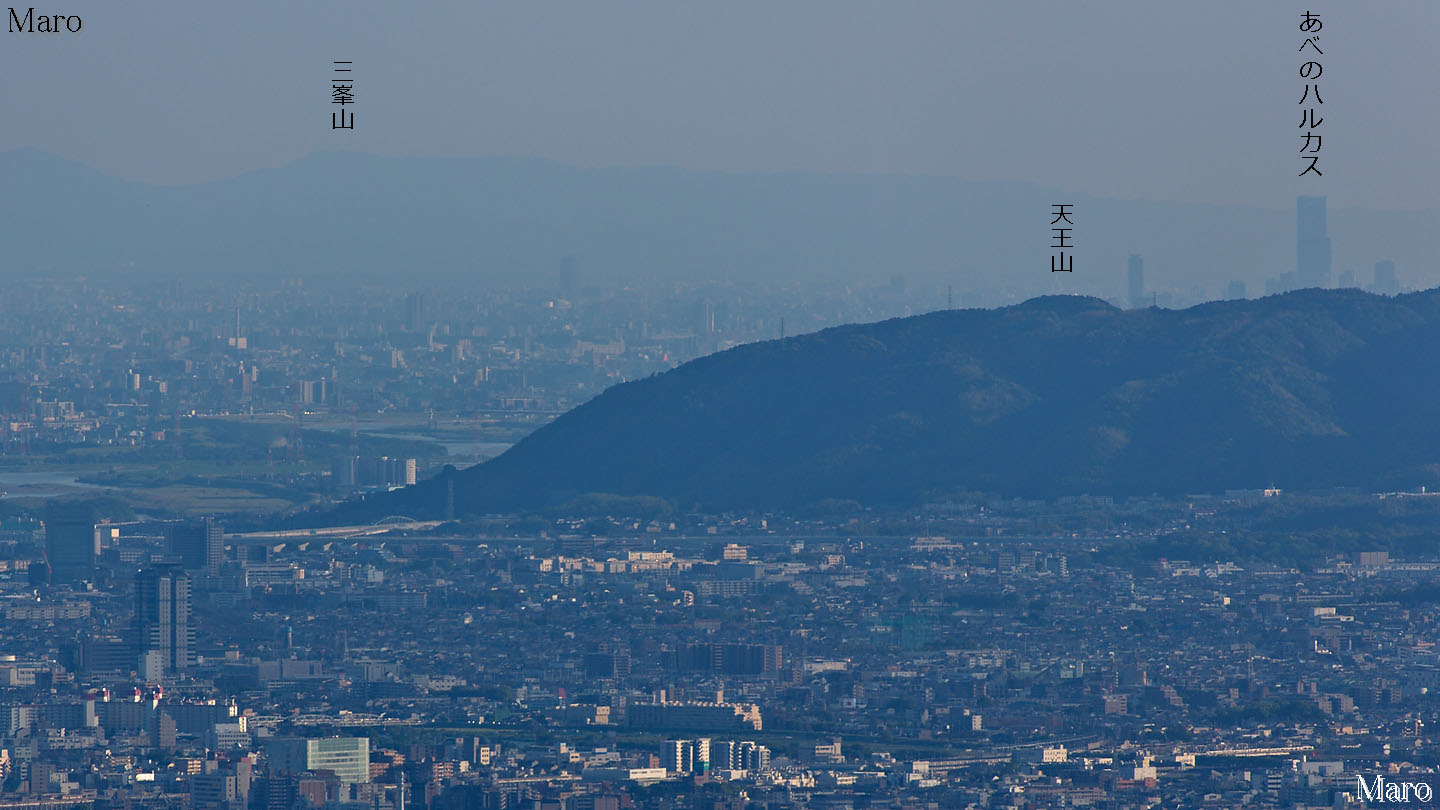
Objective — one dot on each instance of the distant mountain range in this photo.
(1056, 396)
(414, 221)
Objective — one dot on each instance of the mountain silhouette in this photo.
(1055, 396)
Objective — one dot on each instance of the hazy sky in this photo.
(1129, 98)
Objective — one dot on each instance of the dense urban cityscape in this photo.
(719, 406)
(172, 639)
(1012, 655)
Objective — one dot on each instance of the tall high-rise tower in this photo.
(1137, 281)
(1385, 281)
(569, 276)
(72, 542)
(414, 312)
(200, 544)
(163, 636)
(1312, 242)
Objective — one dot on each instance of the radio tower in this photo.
(354, 432)
(175, 439)
(297, 442)
(479, 454)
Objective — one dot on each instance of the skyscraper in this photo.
(414, 312)
(569, 276)
(1385, 281)
(1137, 281)
(72, 542)
(163, 636)
(1312, 242)
(200, 544)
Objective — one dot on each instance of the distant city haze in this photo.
(1120, 99)
(411, 223)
